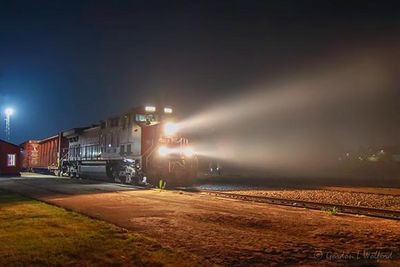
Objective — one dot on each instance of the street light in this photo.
(8, 112)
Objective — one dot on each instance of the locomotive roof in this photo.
(135, 110)
(74, 131)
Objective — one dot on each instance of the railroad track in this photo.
(380, 213)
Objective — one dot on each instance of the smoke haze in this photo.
(304, 123)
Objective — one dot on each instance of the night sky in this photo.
(66, 64)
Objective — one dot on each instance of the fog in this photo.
(303, 122)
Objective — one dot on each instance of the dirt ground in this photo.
(226, 232)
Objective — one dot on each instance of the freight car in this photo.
(138, 146)
(43, 155)
(30, 155)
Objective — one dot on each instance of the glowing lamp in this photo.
(150, 109)
(8, 111)
(168, 110)
(163, 151)
(188, 152)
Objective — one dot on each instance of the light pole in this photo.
(8, 112)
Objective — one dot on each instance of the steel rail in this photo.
(372, 212)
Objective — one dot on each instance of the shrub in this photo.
(331, 211)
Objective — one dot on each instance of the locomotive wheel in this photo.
(127, 179)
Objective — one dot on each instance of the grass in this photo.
(331, 211)
(34, 233)
(161, 185)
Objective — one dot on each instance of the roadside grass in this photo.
(331, 211)
(34, 233)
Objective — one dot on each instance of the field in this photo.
(35, 233)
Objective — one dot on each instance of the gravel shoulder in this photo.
(371, 199)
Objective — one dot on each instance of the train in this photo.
(140, 146)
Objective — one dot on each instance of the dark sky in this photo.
(65, 64)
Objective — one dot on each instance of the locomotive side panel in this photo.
(87, 145)
(120, 139)
(129, 137)
(102, 151)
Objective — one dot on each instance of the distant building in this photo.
(373, 154)
(9, 159)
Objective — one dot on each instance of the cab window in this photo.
(146, 117)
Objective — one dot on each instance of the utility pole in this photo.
(8, 113)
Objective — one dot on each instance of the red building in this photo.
(9, 159)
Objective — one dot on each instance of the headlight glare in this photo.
(188, 152)
(170, 128)
(163, 151)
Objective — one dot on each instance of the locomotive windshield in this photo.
(146, 117)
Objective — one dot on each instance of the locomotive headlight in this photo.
(150, 108)
(168, 110)
(170, 128)
(188, 152)
(163, 151)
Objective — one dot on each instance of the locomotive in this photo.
(139, 146)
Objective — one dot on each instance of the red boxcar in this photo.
(30, 154)
(9, 159)
(43, 154)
